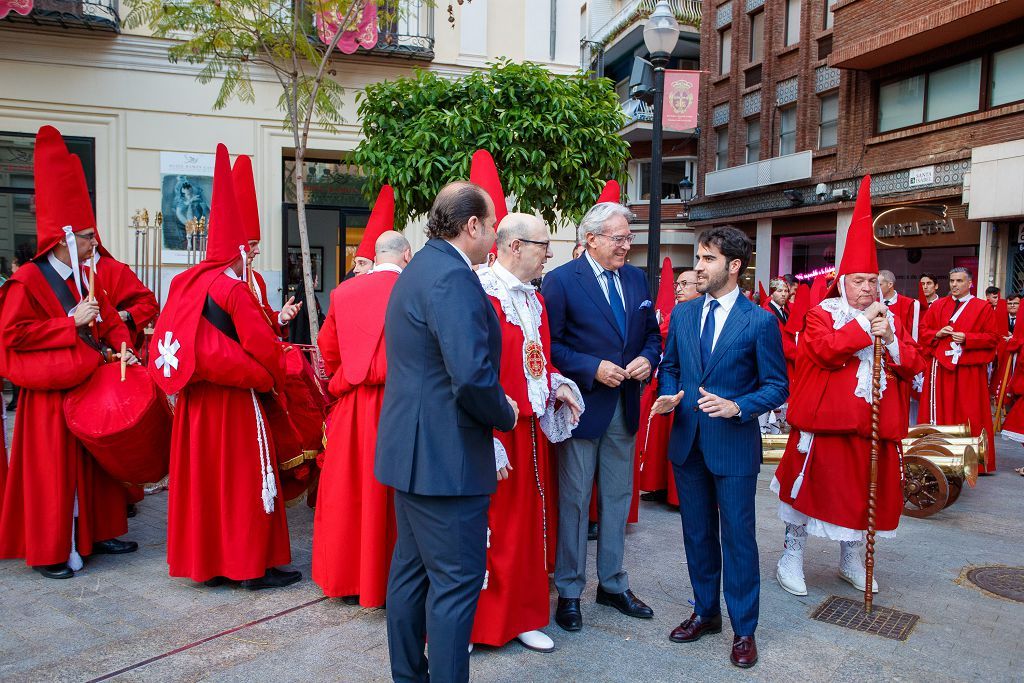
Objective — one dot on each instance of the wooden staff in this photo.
(876, 405)
(1002, 392)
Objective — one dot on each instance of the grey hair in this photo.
(513, 227)
(887, 275)
(961, 269)
(391, 243)
(776, 283)
(594, 220)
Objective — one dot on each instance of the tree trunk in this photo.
(307, 266)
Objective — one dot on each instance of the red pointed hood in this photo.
(762, 295)
(382, 219)
(62, 196)
(666, 290)
(860, 254)
(173, 345)
(484, 173)
(83, 190)
(611, 192)
(818, 288)
(245, 196)
(798, 309)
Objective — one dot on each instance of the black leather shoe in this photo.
(274, 578)
(693, 628)
(592, 531)
(350, 599)
(216, 581)
(114, 547)
(55, 571)
(659, 496)
(131, 510)
(626, 602)
(568, 615)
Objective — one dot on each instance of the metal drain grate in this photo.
(1006, 582)
(882, 621)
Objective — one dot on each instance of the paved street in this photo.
(124, 613)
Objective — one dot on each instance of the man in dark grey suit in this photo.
(442, 402)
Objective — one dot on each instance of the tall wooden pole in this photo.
(876, 404)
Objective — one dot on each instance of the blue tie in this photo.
(615, 301)
(707, 335)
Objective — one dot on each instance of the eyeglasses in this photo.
(683, 283)
(619, 240)
(88, 237)
(539, 244)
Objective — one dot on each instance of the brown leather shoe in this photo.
(693, 628)
(744, 651)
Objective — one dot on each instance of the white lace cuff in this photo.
(500, 456)
(557, 425)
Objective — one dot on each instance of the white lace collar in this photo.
(842, 313)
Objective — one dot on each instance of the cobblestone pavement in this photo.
(123, 614)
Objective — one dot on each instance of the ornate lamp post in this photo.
(661, 33)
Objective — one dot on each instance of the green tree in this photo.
(230, 37)
(554, 138)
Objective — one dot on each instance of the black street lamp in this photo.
(661, 33)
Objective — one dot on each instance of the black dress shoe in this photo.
(592, 531)
(626, 602)
(568, 615)
(114, 547)
(693, 628)
(274, 578)
(131, 510)
(350, 599)
(655, 496)
(55, 571)
(216, 581)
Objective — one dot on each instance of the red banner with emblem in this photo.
(682, 97)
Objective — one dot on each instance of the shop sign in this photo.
(935, 226)
(925, 175)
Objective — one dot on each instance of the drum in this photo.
(295, 421)
(125, 426)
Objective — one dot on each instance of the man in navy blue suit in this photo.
(604, 337)
(442, 402)
(723, 367)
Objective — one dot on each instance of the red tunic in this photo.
(216, 523)
(354, 524)
(522, 518)
(835, 484)
(958, 393)
(126, 292)
(655, 469)
(43, 353)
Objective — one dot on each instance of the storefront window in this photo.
(17, 191)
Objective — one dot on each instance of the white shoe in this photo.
(471, 648)
(537, 641)
(790, 578)
(851, 567)
(790, 570)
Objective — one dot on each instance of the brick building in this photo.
(804, 97)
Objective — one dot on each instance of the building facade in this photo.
(144, 126)
(805, 97)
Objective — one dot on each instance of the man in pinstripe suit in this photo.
(723, 367)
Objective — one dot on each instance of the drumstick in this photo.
(124, 359)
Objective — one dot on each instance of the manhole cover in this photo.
(1006, 582)
(882, 621)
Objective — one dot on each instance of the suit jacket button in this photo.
(695, 409)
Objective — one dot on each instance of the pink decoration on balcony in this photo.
(22, 7)
(362, 34)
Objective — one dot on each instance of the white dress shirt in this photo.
(602, 281)
(65, 271)
(462, 254)
(381, 267)
(725, 304)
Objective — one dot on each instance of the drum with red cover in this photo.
(126, 426)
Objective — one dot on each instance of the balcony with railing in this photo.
(405, 29)
(623, 32)
(688, 12)
(92, 15)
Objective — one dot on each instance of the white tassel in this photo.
(804, 446)
(268, 490)
(75, 562)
